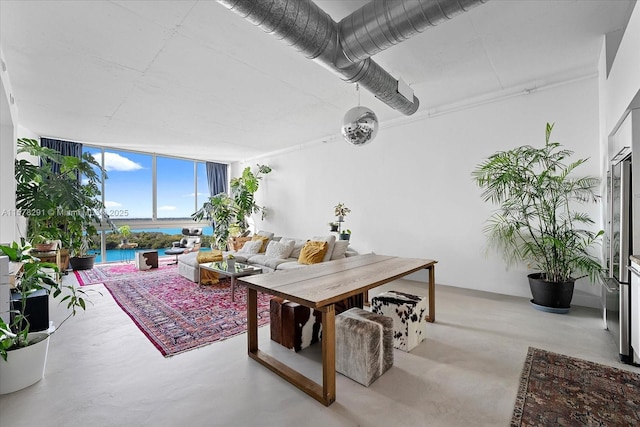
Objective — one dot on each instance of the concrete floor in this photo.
(102, 371)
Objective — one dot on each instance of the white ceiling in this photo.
(190, 78)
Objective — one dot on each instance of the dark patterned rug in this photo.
(557, 390)
(178, 315)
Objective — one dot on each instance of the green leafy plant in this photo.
(230, 213)
(60, 202)
(341, 210)
(535, 222)
(221, 210)
(243, 190)
(124, 231)
(35, 275)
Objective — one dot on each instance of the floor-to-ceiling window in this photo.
(150, 193)
(176, 189)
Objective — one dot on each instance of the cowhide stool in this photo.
(408, 314)
(364, 345)
(146, 259)
(292, 324)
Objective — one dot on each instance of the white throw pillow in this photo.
(279, 249)
(331, 240)
(340, 249)
(251, 247)
(298, 244)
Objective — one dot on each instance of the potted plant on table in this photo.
(537, 222)
(23, 353)
(341, 211)
(345, 234)
(125, 232)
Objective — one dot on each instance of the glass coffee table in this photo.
(237, 270)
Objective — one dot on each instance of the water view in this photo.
(120, 255)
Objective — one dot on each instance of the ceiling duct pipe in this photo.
(378, 25)
(310, 30)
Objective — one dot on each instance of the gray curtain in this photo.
(66, 148)
(217, 178)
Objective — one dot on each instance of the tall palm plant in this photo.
(535, 222)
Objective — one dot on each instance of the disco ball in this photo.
(359, 126)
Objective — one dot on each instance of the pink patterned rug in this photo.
(176, 314)
(103, 272)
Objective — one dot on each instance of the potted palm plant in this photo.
(60, 197)
(536, 221)
(23, 353)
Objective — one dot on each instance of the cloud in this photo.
(111, 204)
(116, 162)
(167, 208)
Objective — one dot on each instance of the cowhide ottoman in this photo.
(146, 260)
(408, 314)
(292, 324)
(364, 345)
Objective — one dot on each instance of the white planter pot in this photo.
(24, 366)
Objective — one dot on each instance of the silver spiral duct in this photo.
(310, 30)
(379, 25)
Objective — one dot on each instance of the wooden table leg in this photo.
(252, 320)
(233, 289)
(432, 294)
(329, 354)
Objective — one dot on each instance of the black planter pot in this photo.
(36, 310)
(345, 236)
(551, 294)
(82, 262)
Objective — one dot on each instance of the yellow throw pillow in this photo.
(313, 252)
(209, 256)
(263, 239)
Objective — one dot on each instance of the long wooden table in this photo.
(319, 287)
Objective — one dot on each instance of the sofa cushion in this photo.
(252, 247)
(279, 249)
(331, 241)
(289, 264)
(340, 249)
(266, 261)
(298, 244)
(313, 252)
(263, 239)
(240, 257)
(189, 259)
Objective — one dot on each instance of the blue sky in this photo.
(128, 192)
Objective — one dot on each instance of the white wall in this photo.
(411, 191)
(623, 83)
(8, 132)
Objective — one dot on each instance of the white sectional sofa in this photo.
(279, 253)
